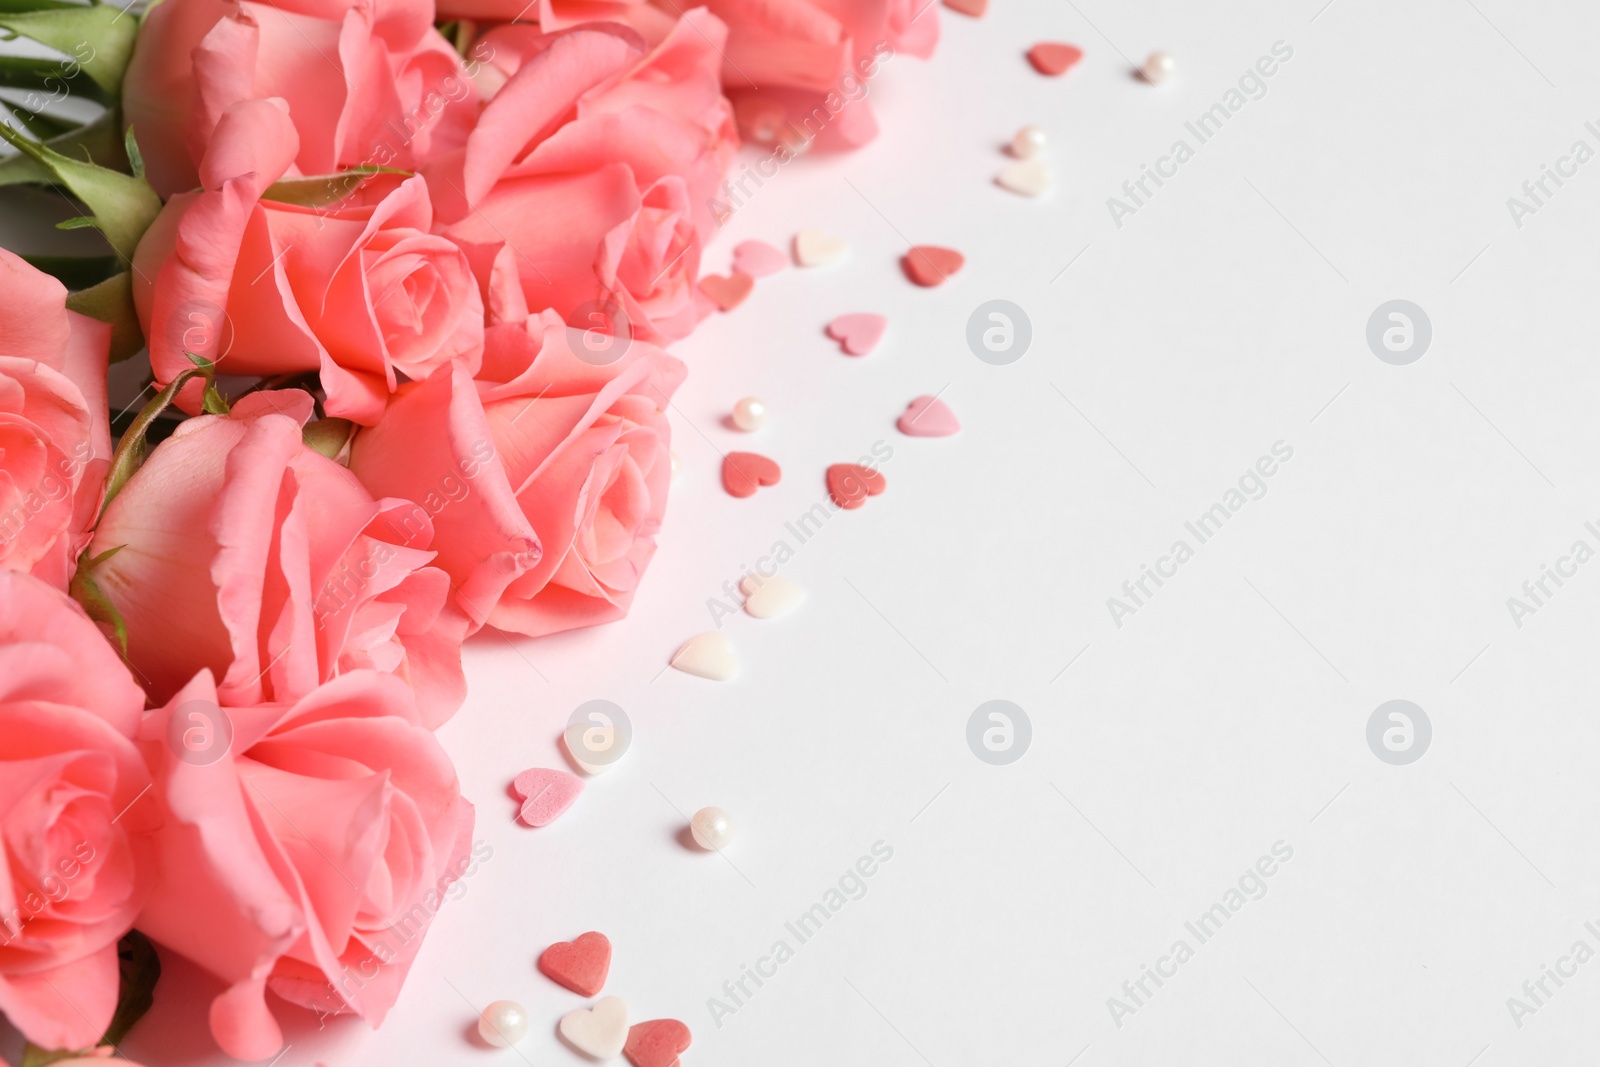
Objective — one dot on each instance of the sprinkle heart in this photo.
(1052, 58)
(813, 248)
(1031, 177)
(758, 259)
(975, 8)
(727, 293)
(859, 333)
(928, 416)
(930, 265)
(744, 472)
(546, 794)
(580, 965)
(656, 1043)
(770, 598)
(600, 1031)
(850, 484)
(708, 655)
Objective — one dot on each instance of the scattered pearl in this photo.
(712, 829)
(750, 414)
(1157, 67)
(503, 1023)
(1028, 142)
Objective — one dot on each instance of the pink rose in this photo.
(305, 846)
(55, 441)
(360, 291)
(595, 163)
(580, 467)
(72, 839)
(368, 82)
(245, 552)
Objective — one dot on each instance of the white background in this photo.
(1228, 314)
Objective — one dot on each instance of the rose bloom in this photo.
(595, 162)
(359, 291)
(243, 551)
(304, 846)
(72, 839)
(794, 69)
(368, 83)
(580, 468)
(55, 441)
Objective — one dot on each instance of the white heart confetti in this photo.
(600, 1031)
(707, 655)
(1030, 177)
(813, 248)
(770, 598)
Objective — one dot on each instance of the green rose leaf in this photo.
(123, 206)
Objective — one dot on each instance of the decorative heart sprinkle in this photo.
(708, 655)
(600, 1031)
(758, 259)
(975, 8)
(580, 965)
(850, 484)
(813, 248)
(578, 738)
(1030, 177)
(769, 598)
(744, 472)
(930, 265)
(656, 1043)
(1052, 58)
(928, 416)
(858, 333)
(727, 292)
(546, 794)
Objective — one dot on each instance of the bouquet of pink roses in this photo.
(402, 278)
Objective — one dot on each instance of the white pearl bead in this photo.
(1028, 142)
(503, 1023)
(749, 414)
(712, 829)
(1158, 66)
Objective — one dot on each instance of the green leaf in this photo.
(323, 189)
(112, 301)
(100, 142)
(124, 206)
(135, 158)
(134, 446)
(331, 437)
(87, 592)
(99, 37)
(48, 80)
(80, 222)
(140, 969)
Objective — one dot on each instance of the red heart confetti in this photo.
(744, 472)
(975, 8)
(656, 1043)
(580, 964)
(930, 265)
(1051, 58)
(546, 794)
(727, 292)
(850, 484)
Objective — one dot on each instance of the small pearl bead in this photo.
(1028, 142)
(712, 829)
(503, 1023)
(1158, 66)
(749, 414)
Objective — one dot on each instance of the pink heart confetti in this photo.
(928, 416)
(546, 794)
(858, 333)
(758, 259)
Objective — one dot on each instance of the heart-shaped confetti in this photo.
(600, 1031)
(850, 484)
(745, 472)
(656, 1043)
(708, 655)
(975, 8)
(580, 965)
(758, 259)
(546, 794)
(1030, 177)
(928, 416)
(770, 598)
(1052, 58)
(727, 292)
(813, 248)
(930, 265)
(858, 333)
